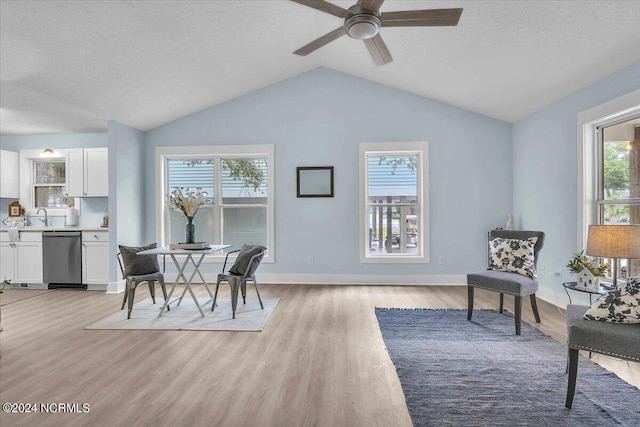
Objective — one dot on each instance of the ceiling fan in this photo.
(363, 20)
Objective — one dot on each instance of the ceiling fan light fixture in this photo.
(362, 26)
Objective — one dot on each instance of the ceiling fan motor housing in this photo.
(363, 24)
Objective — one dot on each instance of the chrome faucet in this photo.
(46, 217)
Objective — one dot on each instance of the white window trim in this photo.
(422, 176)
(189, 152)
(27, 157)
(588, 121)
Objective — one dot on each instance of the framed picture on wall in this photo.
(314, 181)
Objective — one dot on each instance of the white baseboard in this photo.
(346, 279)
(115, 287)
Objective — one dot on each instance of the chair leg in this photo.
(518, 310)
(255, 284)
(244, 291)
(534, 307)
(469, 301)
(573, 372)
(163, 286)
(234, 296)
(215, 295)
(152, 289)
(126, 293)
(132, 293)
(501, 302)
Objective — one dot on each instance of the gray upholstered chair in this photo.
(509, 283)
(242, 271)
(613, 339)
(138, 269)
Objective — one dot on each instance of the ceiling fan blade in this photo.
(326, 7)
(421, 18)
(378, 50)
(373, 5)
(320, 41)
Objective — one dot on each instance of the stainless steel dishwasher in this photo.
(62, 259)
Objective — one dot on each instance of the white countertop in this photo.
(41, 229)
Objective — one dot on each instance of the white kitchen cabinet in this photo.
(87, 172)
(9, 176)
(95, 257)
(21, 262)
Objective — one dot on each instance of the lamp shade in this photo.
(614, 241)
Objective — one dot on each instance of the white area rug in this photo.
(186, 317)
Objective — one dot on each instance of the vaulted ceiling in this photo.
(69, 66)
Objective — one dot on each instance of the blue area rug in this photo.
(460, 373)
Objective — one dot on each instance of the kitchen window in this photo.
(238, 180)
(394, 202)
(49, 185)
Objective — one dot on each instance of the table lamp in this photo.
(614, 241)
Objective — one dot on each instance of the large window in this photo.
(238, 180)
(394, 202)
(618, 179)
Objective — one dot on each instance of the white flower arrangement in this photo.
(187, 201)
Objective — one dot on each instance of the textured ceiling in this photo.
(69, 66)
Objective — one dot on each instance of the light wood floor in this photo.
(319, 362)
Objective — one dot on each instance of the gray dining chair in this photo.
(137, 269)
(242, 271)
(505, 282)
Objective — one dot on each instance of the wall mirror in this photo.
(314, 181)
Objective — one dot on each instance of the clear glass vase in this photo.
(190, 230)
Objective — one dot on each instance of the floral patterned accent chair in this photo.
(611, 326)
(513, 257)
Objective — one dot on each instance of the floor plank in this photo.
(319, 362)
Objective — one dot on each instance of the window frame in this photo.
(164, 154)
(589, 158)
(601, 198)
(28, 158)
(420, 148)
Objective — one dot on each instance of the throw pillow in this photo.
(633, 285)
(137, 265)
(244, 257)
(616, 307)
(513, 255)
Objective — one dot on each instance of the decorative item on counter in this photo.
(105, 220)
(71, 218)
(15, 209)
(17, 221)
(187, 202)
(588, 273)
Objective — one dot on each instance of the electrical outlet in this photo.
(311, 260)
(442, 260)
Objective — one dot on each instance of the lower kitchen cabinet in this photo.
(95, 257)
(21, 262)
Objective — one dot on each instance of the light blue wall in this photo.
(318, 118)
(126, 189)
(91, 210)
(545, 174)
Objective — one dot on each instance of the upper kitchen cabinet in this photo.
(9, 176)
(87, 172)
